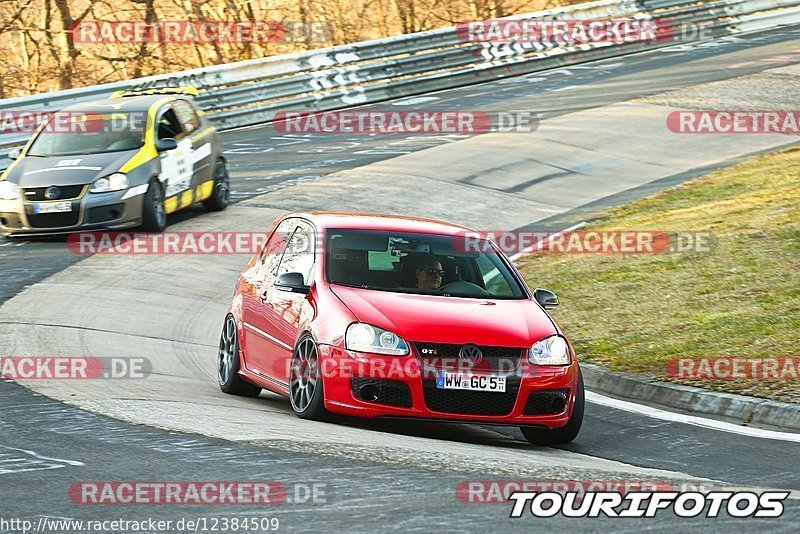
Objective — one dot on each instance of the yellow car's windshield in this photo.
(73, 133)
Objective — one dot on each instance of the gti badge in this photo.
(470, 354)
(52, 193)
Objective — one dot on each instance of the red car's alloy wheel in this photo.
(303, 380)
(228, 363)
(227, 351)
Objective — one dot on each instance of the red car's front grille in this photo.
(470, 402)
(437, 356)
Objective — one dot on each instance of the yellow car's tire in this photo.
(154, 213)
(221, 196)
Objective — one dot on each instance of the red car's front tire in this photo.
(305, 382)
(568, 432)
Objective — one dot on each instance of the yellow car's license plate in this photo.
(52, 207)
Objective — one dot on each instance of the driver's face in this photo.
(430, 277)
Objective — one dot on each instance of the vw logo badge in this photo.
(52, 193)
(470, 354)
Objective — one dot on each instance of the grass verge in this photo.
(636, 312)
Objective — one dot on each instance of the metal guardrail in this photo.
(251, 92)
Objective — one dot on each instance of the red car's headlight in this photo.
(363, 337)
(551, 350)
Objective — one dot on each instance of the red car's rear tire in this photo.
(568, 432)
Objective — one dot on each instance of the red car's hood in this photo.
(499, 323)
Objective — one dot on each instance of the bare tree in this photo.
(38, 51)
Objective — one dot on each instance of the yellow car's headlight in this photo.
(112, 182)
(9, 190)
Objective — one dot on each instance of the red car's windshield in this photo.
(455, 266)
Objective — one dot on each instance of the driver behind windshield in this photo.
(429, 272)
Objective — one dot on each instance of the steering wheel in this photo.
(462, 286)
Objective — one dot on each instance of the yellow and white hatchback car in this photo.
(113, 164)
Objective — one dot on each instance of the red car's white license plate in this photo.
(494, 384)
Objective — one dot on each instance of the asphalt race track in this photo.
(392, 475)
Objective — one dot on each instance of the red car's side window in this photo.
(299, 254)
(273, 250)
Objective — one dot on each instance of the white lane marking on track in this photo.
(40, 457)
(414, 100)
(11, 463)
(694, 420)
(557, 89)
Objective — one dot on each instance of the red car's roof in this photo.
(377, 221)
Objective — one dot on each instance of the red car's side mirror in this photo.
(292, 282)
(547, 299)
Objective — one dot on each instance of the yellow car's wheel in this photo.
(154, 214)
(221, 196)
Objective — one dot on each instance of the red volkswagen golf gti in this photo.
(384, 316)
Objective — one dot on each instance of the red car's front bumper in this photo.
(342, 369)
